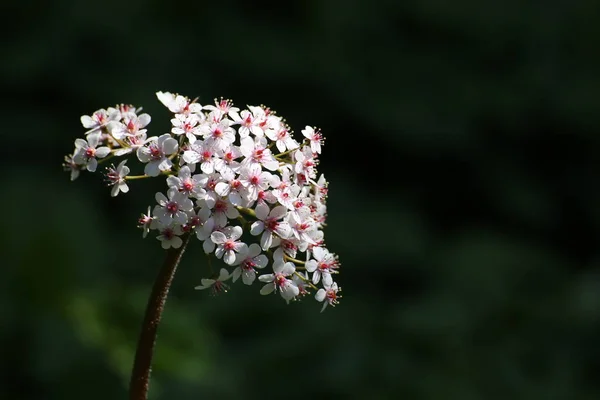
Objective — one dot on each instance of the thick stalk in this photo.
(140, 375)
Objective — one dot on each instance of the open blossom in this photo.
(237, 181)
(116, 178)
(86, 152)
(155, 155)
(215, 285)
(328, 295)
(269, 224)
(173, 208)
(279, 280)
(322, 266)
(248, 263)
(228, 244)
(99, 119)
(169, 237)
(132, 125)
(314, 137)
(187, 183)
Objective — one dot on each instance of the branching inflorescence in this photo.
(236, 179)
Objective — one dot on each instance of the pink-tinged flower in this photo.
(324, 264)
(146, 222)
(222, 211)
(278, 280)
(172, 209)
(315, 138)
(253, 178)
(169, 237)
(232, 189)
(187, 125)
(269, 223)
(187, 184)
(132, 143)
(300, 279)
(228, 244)
(305, 162)
(99, 119)
(132, 125)
(209, 183)
(283, 139)
(226, 162)
(72, 166)
(178, 104)
(248, 264)
(202, 153)
(303, 230)
(222, 107)
(328, 295)
(86, 152)
(116, 178)
(248, 124)
(197, 220)
(219, 134)
(256, 152)
(216, 286)
(155, 154)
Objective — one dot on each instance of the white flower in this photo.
(253, 259)
(222, 107)
(329, 295)
(256, 151)
(215, 285)
(315, 138)
(172, 209)
(228, 245)
(248, 124)
(226, 162)
(269, 223)
(283, 139)
(322, 266)
(224, 210)
(186, 125)
(156, 154)
(86, 152)
(219, 134)
(178, 104)
(116, 178)
(278, 280)
(305, 162)
(71, 165)
(203, 153)
(100, 119)
(146, 222)
(169, 237)
(132, 125)
(186, 183)
(253, 178)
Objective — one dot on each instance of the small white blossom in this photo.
(228, 244)
(116, 178)
(86, 152)
(248, 264)
(169, 237)
(215, 285)
(278, 280)
(155, 155)
(173, 208)
(328, 295)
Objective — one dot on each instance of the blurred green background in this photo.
(462, 150)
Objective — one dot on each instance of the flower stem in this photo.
(140, 375)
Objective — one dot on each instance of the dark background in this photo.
(462, 150)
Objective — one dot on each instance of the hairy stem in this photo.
(140, 375)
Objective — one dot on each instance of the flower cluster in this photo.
(237, 180)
